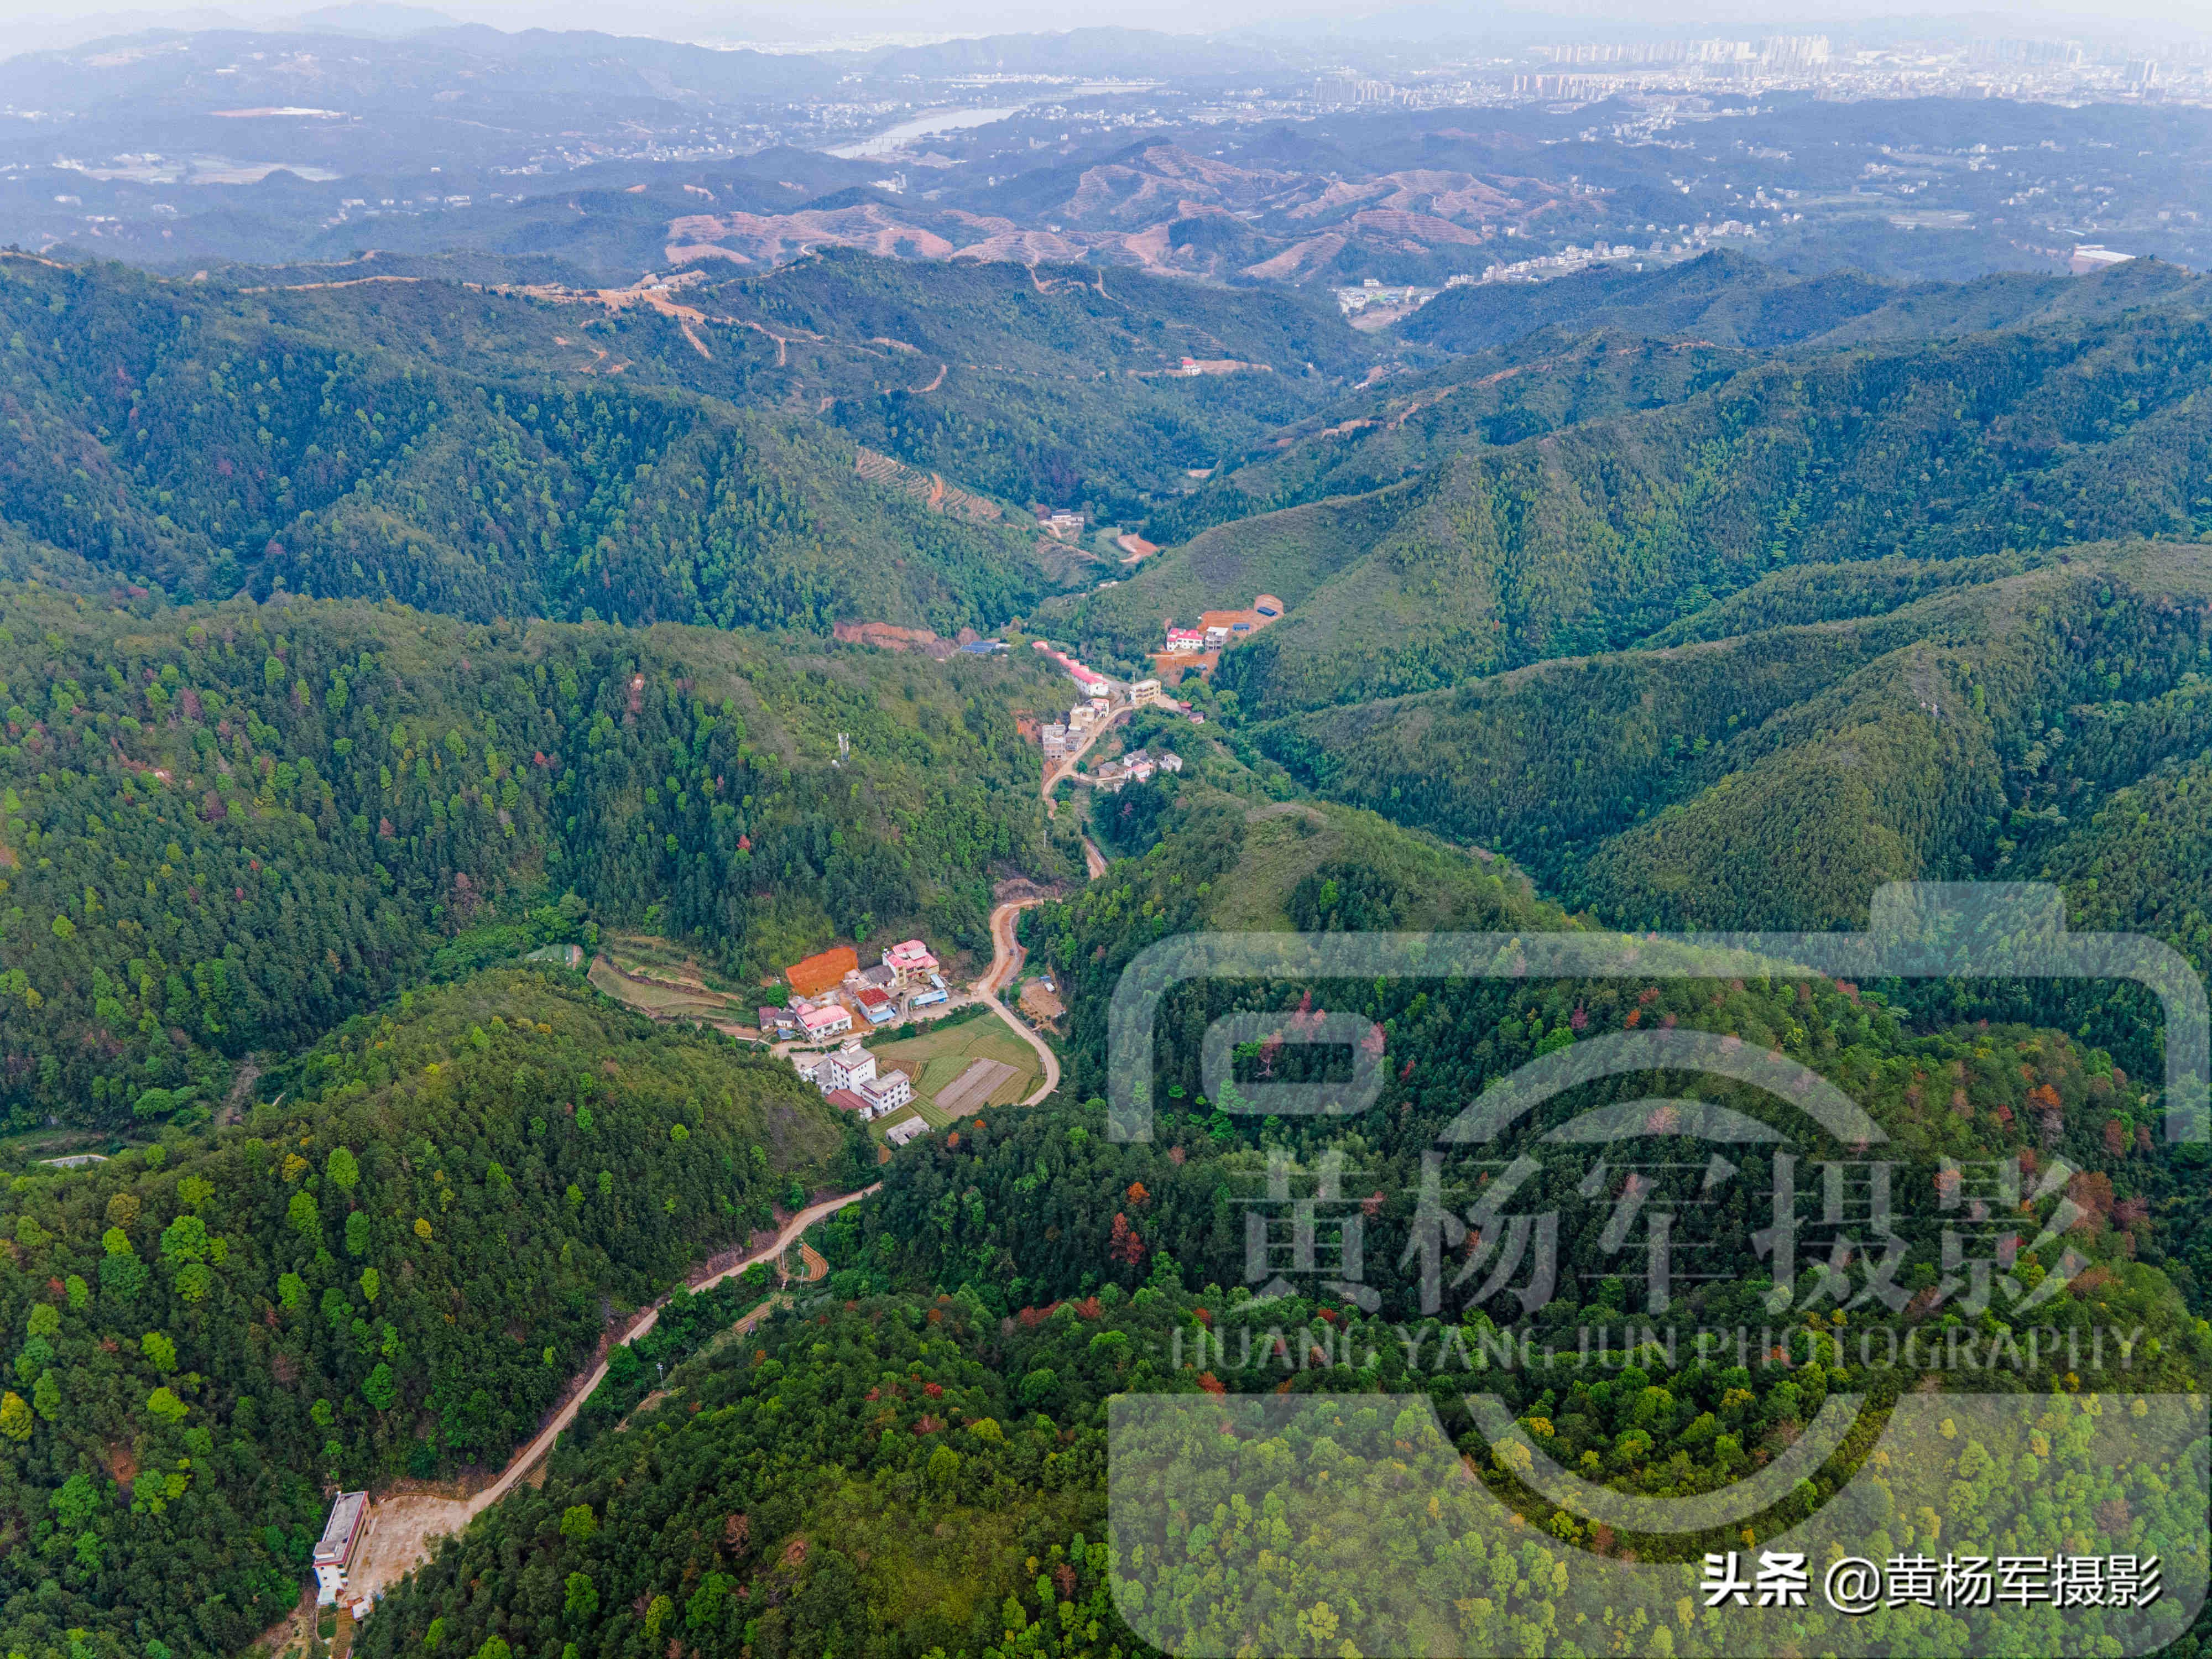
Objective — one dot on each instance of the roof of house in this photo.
(815, 1018)
(846, 1101)
(871, 997)
(824, 972)
(346, 1516)
(776, 1017)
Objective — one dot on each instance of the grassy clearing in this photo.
(925, 1109)
(1288, 841)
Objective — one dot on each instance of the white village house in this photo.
(341, 1541)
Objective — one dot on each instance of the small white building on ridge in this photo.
(334, 1552)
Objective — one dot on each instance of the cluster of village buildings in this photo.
(1139, 767)
(1195, 641)
(827, 991)
(849, 1081)
(1065, 737)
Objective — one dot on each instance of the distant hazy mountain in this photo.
(374, 19)
(380, 19)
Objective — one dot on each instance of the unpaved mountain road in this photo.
(403, 1528)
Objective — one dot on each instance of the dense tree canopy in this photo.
(229, 828)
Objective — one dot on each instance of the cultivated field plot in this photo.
(663, 981)
(921, 1107)
(939, 1062)
(974, 1086)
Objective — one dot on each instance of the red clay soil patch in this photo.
(1168, 664)
(1252, 617)
(824, 972)
(886, 636)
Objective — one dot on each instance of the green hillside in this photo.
(906, 1463)
(1053, 390)
(1592, 537)
(1732, 299)
(229, 827)
(358, 641)
(1658, 485)
(195, 438)
(1290, 554)
(1379, 434)
(1775, 777)
(392, 1274)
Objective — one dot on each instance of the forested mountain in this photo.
(1056, 387)
(902, 1467)
(191, 440)
(1775, 777)
(1382, 434)
(685, 456)
(1714, 601)
(1589, 538)
(1606, 342)
(231, 827)
(892, 1468)
(394, 1274)
(1732, 299)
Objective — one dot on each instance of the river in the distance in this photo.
(944, 120)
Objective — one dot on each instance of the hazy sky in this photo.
(30, 23)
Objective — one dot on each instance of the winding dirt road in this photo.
(1007, 952)
(1006, 955)
(1053, 774)
(402, 1528)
